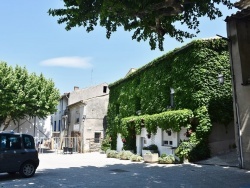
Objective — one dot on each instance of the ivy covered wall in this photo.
(143, 97)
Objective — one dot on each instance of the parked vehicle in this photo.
(18, 154)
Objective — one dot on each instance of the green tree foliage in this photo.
(23, 94)
(148, 19)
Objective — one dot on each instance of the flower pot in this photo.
(148, 151)
(150, 158)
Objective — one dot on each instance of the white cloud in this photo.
(72, 62)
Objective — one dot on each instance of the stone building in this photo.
(80, 121)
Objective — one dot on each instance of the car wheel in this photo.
(27, 170)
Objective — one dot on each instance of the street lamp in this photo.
(83, 118)
(221, 78)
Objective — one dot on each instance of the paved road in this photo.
(95, 170)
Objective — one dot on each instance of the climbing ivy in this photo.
(166, 120)
(143, 97)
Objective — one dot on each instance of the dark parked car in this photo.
(18, 154)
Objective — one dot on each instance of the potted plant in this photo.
(151, 148)
(150, 157)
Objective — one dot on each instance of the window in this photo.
(105, 89)
(167, 139)
(54, 126)
(77, 120)
(138, 104)
(59, 125)
(97, 137)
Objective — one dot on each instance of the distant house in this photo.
(59, 121)
(174, 98)
(39, 128)
(238, 31)
(82, 122)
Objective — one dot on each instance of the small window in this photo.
(165, 142)
(105, 89)
(54, 126)
(77, 120)
(97, 137)
(138, 105)
(59, 126)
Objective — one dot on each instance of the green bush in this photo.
(168, 159)
(200, 152)
(106, 144)
(136, 158)
(111, 153)
(163, 155)
(124, 155)
(151, 147)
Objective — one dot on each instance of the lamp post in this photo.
(171, 97)
(221, 78)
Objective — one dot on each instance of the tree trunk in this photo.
(6, 122)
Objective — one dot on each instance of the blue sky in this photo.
(30, 37)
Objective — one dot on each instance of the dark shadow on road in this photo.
(134, 175)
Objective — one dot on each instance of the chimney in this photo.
(76, 88)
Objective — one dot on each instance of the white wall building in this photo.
(167, 142)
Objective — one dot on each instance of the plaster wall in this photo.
(239, 35)
(95, 111)
(221, 139)
(88, 115)
(87, 93)
(158, 139)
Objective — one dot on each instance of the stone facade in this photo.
(83, 121)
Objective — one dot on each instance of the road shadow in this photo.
(133, 175)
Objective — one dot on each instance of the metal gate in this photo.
(58, 144)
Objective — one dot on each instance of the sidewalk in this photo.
(227, 159)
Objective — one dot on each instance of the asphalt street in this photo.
(95, 170)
